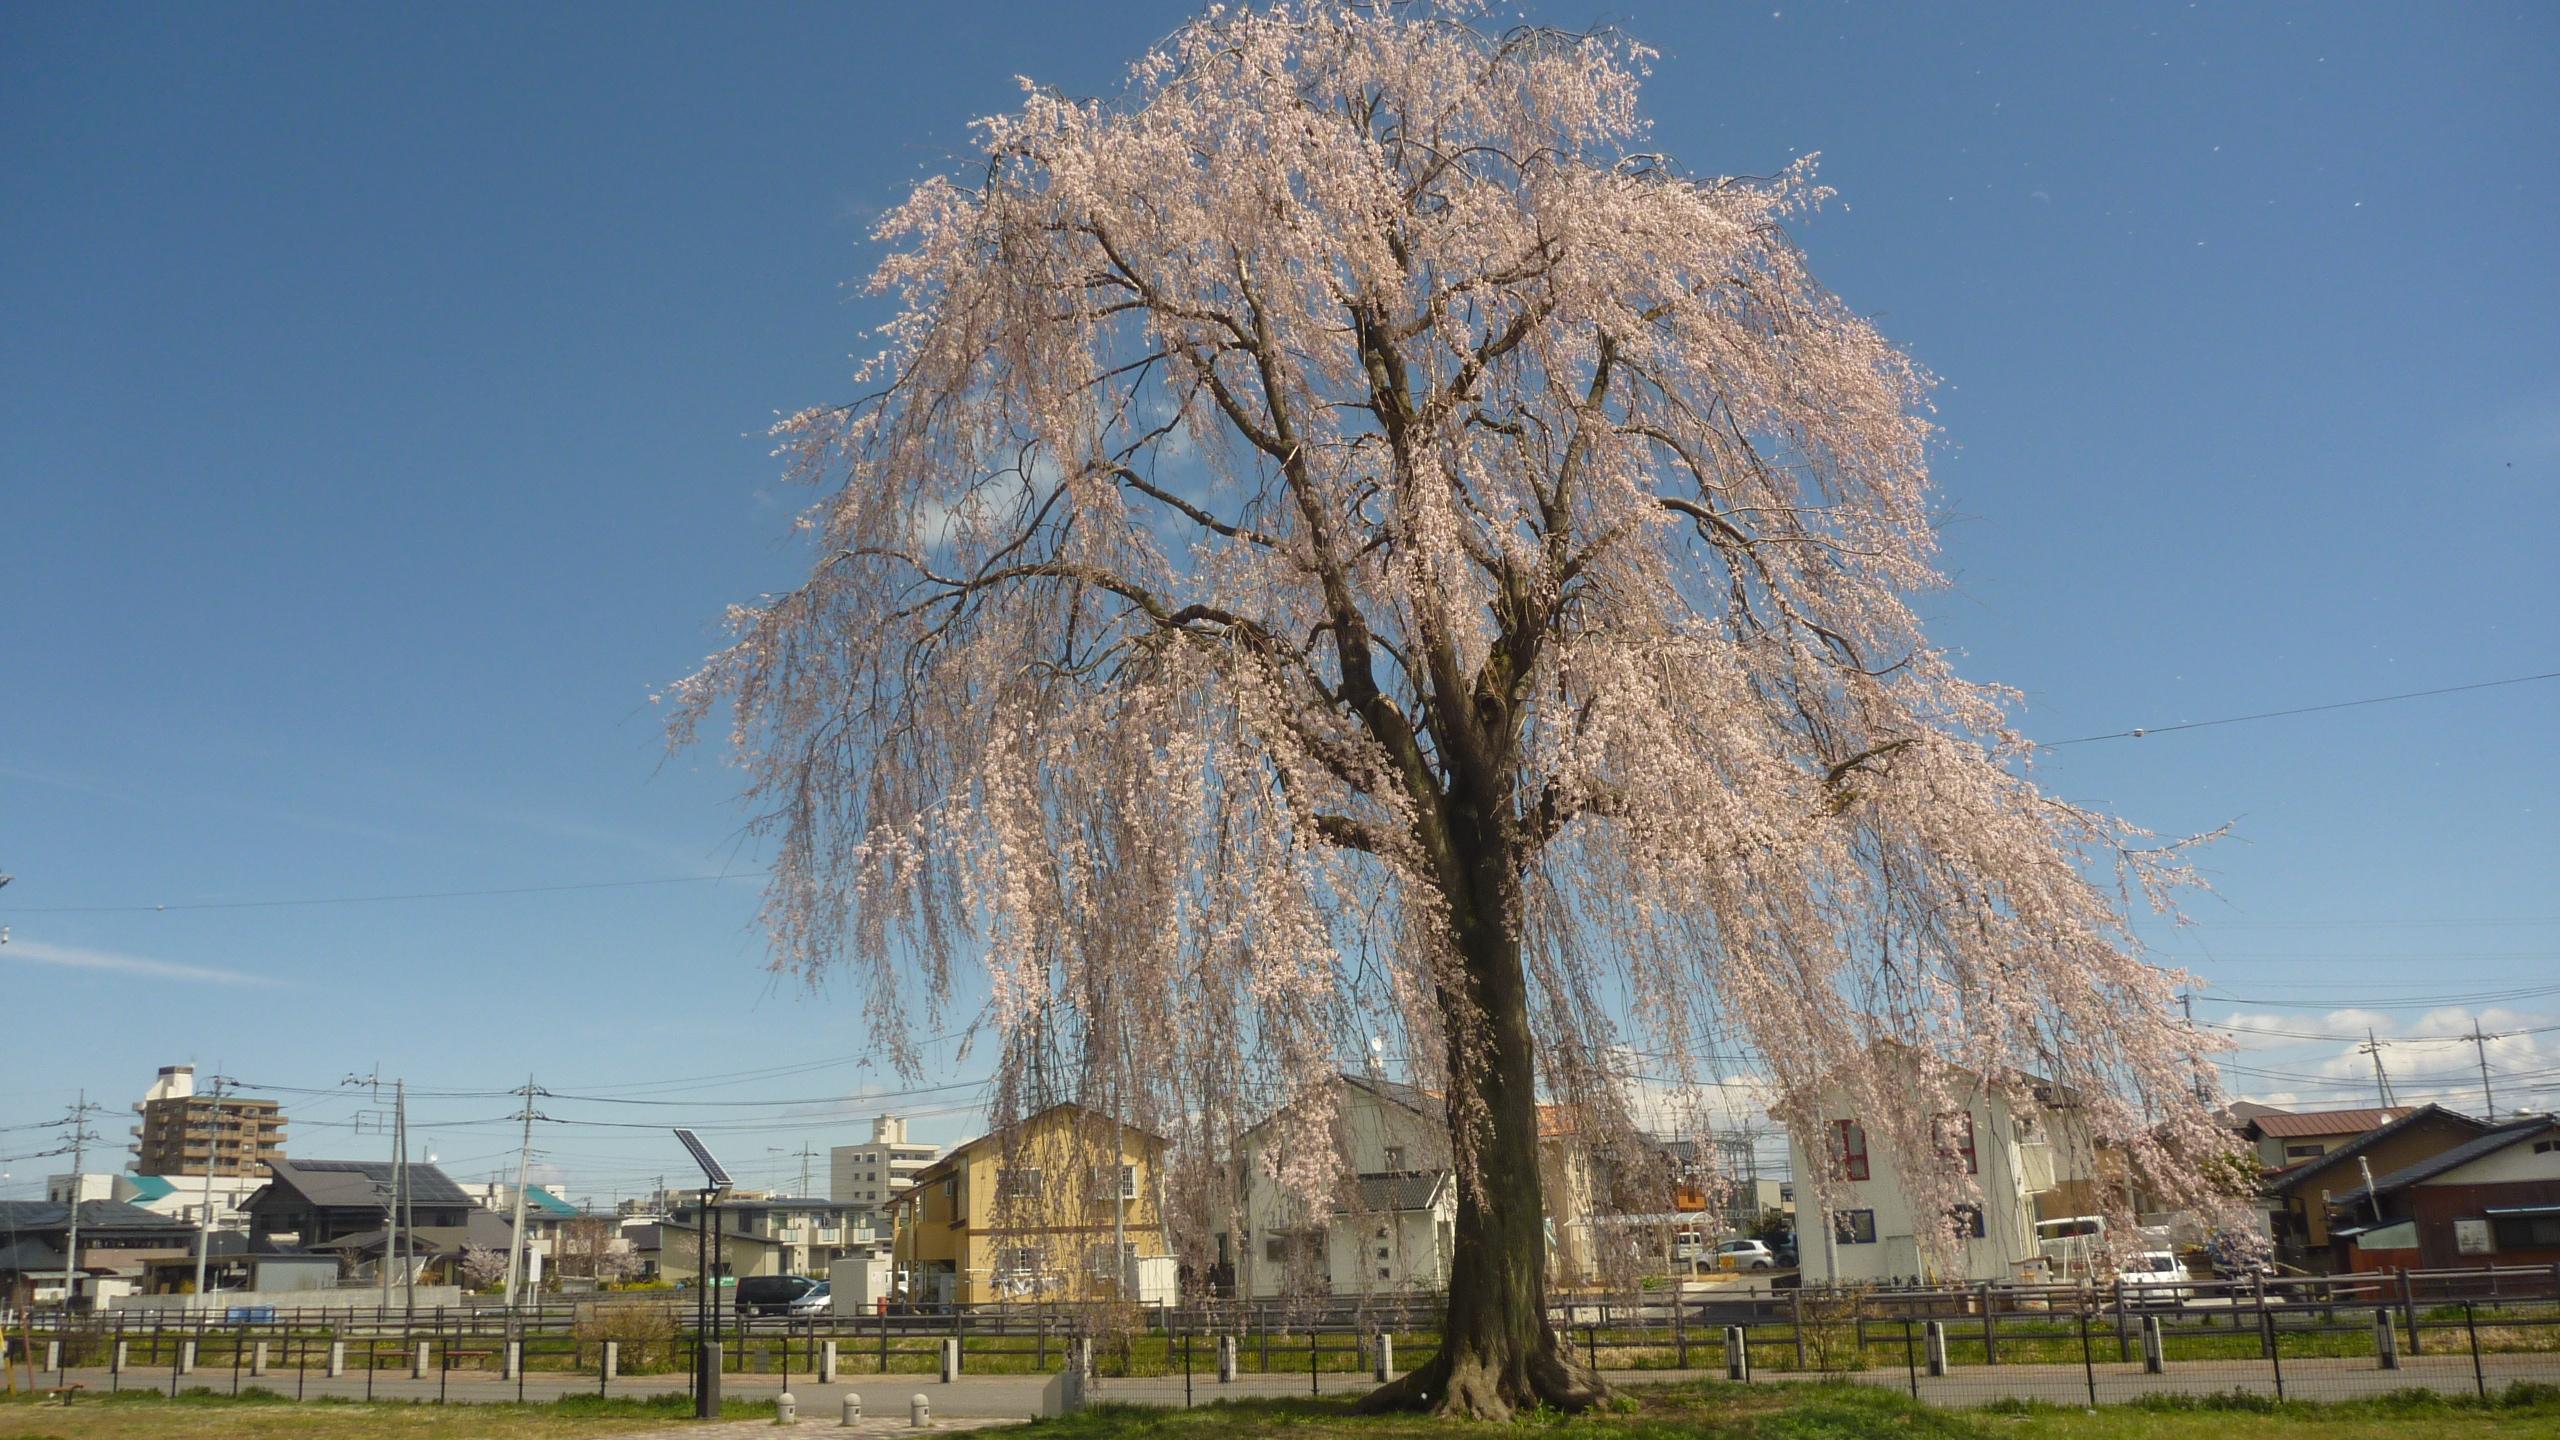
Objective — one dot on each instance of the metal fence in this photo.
(2337, 1337)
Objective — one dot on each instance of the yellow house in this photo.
(1061, 1206)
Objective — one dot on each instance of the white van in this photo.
(2071, 1245)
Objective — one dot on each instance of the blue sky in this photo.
(381, 398)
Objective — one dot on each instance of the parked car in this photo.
(2154, 1277)
(779, 1294)
(1786, 1252)
(1745, 1255)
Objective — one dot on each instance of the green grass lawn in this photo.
(1668, 1412)
(265, 1415)
(1849, 1412)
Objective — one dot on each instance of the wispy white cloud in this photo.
(73, 957)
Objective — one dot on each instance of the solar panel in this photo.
(712, 1170)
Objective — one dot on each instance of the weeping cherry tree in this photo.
(1343, 538)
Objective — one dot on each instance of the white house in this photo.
(1874, 1234)
(1392, 1224)
(1391, 1229)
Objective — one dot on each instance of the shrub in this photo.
(646, 1333)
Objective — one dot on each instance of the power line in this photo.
(381, 899)
(2136, 733)
(2333, 1002)
(2139, 731)
(2465, 1037)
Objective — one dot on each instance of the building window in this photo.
(1395, 1157)
(1018, 1261)
(1102, 1182)
(1968, 1220)
(1955, 1140)
(1853, 1147)
(1855, 1227)
(1018, 1182)
(2305, 1152)
(2526, 1232)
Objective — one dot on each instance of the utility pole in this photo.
(2187, 1004)
(2381, 1077)
(391, 1202)
(401, 1193)
(80, 1137)
(524, 1157)
(807, 1154)
(2480, 1047)
(212, 1162)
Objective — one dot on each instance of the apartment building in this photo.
(2027, 1163)
(778, 1236)
(872, 1173)
(187, 1133)
(1061, 1206)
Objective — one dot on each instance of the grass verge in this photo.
(257, 1414)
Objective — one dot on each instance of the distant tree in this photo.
(1773, 1226)
(616, 1265)
(1345, 539)
(590, 1248)
(482, 1267)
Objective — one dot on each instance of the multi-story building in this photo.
(1060, 1206)
(117, 1243)
(1389, 1226)
(2300, 1195)
(779, 1236)
(186, 1133)
(2023, 1163)
(2493, 1200)
(873, 1174)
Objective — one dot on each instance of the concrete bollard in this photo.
(419, 1369)
(786, 1409)
(919, 1412)
(852, 1408)
(2155, 1357)
(1386, 1357)
(2386, 1340)
(827, 1363)
(513, 1362)
(337, 1359)
(1737, 1354)
(613, 1360)
(124, 1356)
(186, 1357)
(1226, 1359)
(950, 1358)
(258, 1358)
(53, 1355)
(1933, 1337)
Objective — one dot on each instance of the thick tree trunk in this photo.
(1497, 1355)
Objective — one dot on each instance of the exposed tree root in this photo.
(1476, 1389)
